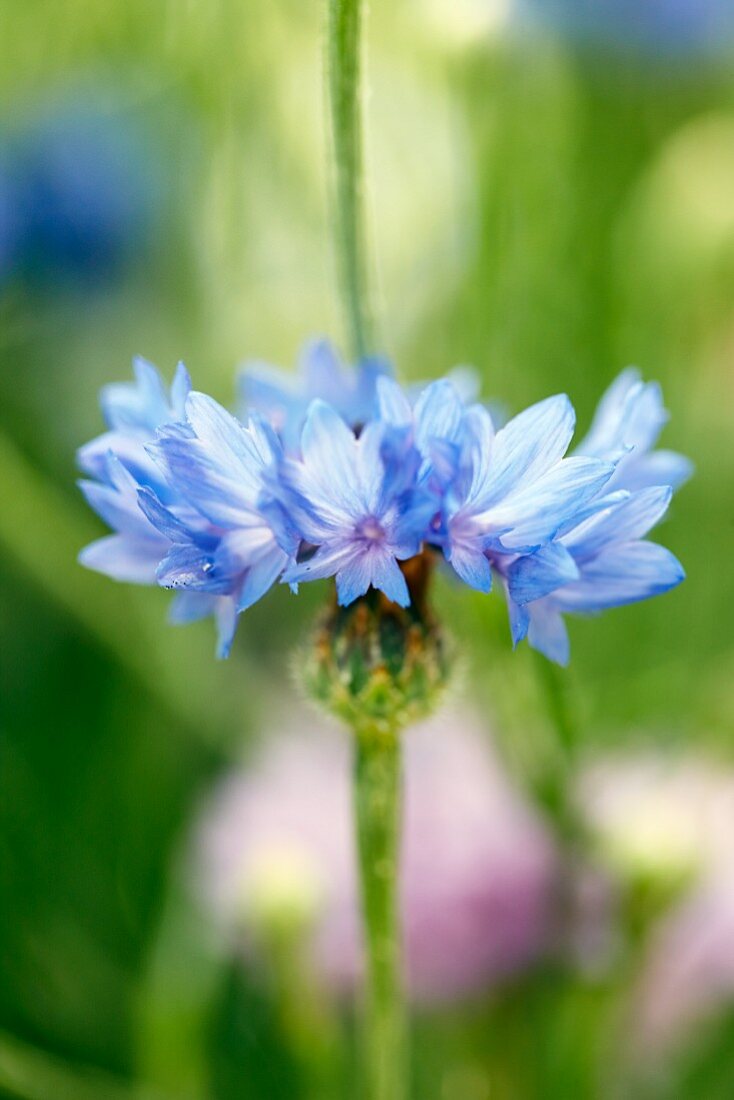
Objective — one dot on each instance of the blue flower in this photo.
(627, 423)
(497, 494)
(130, 486)
(220, 509)
(84, 191)
(225, 472)
(352, 499)
(604, 562)
(284, 398)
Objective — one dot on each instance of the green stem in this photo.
(557, 785)
(343, 67)
(377, 812)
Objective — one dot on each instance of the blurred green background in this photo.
(544, 209)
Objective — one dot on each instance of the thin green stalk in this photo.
(377, 786)
(557, 786)
(343, 68)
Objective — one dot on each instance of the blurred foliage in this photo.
(546, 215)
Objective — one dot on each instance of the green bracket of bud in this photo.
(376, 666)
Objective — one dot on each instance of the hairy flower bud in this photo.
(377, 666)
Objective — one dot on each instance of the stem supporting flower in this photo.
(377, 795)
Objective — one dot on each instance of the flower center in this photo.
(370, 530)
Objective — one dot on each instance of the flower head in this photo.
(130, 491)
(222, 471)
(353, 498)
(603, 560)
(356, 487)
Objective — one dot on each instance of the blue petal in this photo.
(188, 567)
(607, 432)
(273, 393)
(471, 566)
(191, 607)
(519, 619)
(621, 521)
(162, 519)
(260, 577)
(547, 632)
(394, 407)
(180, 390)
(142, 404)
(326, 562)
(330, 458)
(124, 559)
(226, 617)
(533, 515)
(354, 578)
(119, 510)
(658, 468)
(221, 470)
(322, 372)
(536, 575)
(526, 448)
(625, 573)
(388, 577)
(438, 415)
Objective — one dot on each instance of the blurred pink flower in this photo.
(690, 969)
(477, 867)
(667, 817)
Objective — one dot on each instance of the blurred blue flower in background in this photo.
(665, 28)
(657, 27)
(81, 188)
